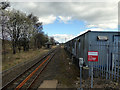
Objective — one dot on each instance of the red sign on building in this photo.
(93, 56)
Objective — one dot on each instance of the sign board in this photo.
(93, 56)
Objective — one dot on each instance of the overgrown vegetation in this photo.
(23, 31)
(22, 36)
(12, 60)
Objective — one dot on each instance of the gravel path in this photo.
(58, 69)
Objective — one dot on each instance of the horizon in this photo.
(66, 20)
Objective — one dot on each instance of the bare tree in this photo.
(3, 6)
(52, 40)
(18, 28)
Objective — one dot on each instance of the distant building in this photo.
(48, 44)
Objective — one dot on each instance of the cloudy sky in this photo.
(66, 20)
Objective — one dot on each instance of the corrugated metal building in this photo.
(105, 42)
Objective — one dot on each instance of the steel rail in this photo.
(30, 85)
(6, 85)
(31, 74)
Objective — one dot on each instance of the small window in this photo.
(103, 38)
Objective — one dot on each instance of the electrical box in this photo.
(81, 62)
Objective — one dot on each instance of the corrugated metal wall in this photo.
(108, 64)
(81, 44)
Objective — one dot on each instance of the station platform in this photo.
(48, 84)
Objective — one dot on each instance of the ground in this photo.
(66, 73)
(62, 69)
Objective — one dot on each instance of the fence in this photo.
(108, 64)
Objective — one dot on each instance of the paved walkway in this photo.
(49, 84)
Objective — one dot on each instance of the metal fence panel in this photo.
(108, 64)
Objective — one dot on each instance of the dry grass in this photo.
(13, 59)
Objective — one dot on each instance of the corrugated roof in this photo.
(95, 32)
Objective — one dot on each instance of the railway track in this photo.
(26, 79)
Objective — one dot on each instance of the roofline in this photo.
(94, 31)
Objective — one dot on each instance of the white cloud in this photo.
(96, 29)
(63, 37)
(108, 25)
(31, 5)
(91, 29)
(47, 19)
(104, 25)
(66, 37)
(64, 19)
(63, 0)
(98, 14)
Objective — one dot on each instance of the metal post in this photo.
(109, 58)
(80, 65)
(102, 68)
(100, 61)
(80, 77)
(99, 65)
(118, 63)
(91, 75)
(107, 64)
(112, 64)
(115, 70)
(89, 69)
(118, 71)
(103, 62)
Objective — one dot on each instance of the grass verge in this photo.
(14, 59)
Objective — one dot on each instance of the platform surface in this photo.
(49, 84)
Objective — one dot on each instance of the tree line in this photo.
(24, 31)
